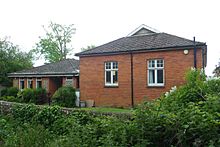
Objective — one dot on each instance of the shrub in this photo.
(24, 113)
(12, 91)
(65, 96)
(10, 99)
(28, 95)
(213, 86)
(28, 135)
(40, 96)
(4, 92)
(46, 116)
(188, 116)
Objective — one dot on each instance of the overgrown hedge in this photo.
(186, 116)
(64, 96)
(36, 96)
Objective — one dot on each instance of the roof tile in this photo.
(141, 42)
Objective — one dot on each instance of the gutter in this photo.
(132, 81)
(42, 75)
(195, 52)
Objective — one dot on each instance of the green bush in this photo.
(46, 116)
(12, 91)
(65, 96)
(10, 99)
(213, 86)
(24, 113)
(30, 135)
(4, 92)
(40, 96)
(28, 95)
(186, 116)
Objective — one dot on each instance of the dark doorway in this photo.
(56, 82)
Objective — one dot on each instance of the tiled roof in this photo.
(154, 41)
(67, 66)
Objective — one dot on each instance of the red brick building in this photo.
(49, 76)
(143, 65)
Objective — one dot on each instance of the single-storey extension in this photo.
(49, 76)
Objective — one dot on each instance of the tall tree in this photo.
(11, 60)
(216, 71)
(88, 47)
(55, 45)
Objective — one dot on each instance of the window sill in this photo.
(155, 86)
(111, 86)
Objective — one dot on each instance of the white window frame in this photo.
(112, 70)
(29, 79)
(39, 79)
(155, 68)
(69, 79)
(21, 79)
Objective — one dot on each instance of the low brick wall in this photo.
(6, 108)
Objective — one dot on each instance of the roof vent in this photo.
(143, 30)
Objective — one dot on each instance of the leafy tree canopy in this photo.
(12, 59)
(88, 47)
(216, 71)
(55, 45)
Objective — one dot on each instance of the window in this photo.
(29, 83)
(111, 74)
(38, 83)
(21, 83)
(156, 72)
(69, 81)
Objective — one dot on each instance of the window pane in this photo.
(151, 76)
(108, 76)
(160, 76)
(30, 84)
(159, 63)
(39, 84)
(151, 63)
(115, 76)
(115, 65)
(21, 84)
(108, 65)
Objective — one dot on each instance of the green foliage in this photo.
(213, 86)
(54, 46)
(28, 95)
(188, 116)
(65, 96)
(24, 114)
(4, 92)
(9, 99)
(11, 60)
(88, 47)
(176, 119)
(28, 135)
(216, 71)
(48, 115)
(9, 94)
(40, 96)
(12, 91)
(36, 96)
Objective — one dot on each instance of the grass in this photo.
(108, 109)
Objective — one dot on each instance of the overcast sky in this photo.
(100, 21)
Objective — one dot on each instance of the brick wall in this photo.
(75, 82)
(92, 84)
